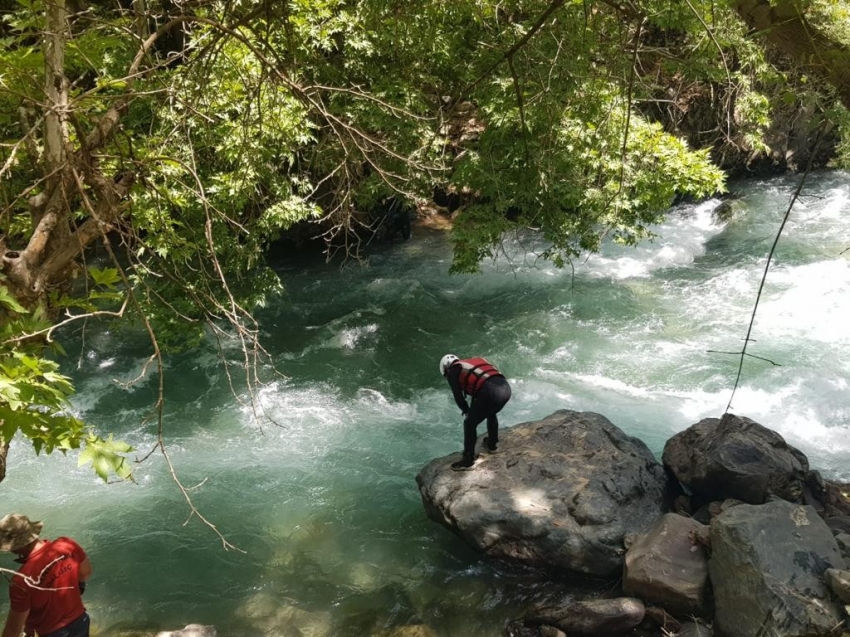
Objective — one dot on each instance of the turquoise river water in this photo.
(324, 504)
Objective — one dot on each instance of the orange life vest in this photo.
(473, 374)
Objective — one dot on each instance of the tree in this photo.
(811, 33)
(179, 139)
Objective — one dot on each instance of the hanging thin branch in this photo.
(157, 356)
(521, 106)
(794, 198)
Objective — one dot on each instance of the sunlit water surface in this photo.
(324, 503)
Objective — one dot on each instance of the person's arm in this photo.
(85, 571)
(454, 382)
(15, 622)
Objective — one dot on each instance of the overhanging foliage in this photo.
(182, 139)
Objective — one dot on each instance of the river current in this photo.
(322, 502)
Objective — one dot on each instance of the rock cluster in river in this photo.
(731, 534)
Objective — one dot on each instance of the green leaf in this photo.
(107, 276)
(9, 301)
(105, 457)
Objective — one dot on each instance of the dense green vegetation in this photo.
(180, 140)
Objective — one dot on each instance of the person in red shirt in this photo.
(490, 392)
(46, 592)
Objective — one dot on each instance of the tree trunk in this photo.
(55, 86)
(787, 29)
(53, 247)
(49, 209)
(4, 451)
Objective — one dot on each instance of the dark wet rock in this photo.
(668, 566)
(703, 514)
(390, 219)
(682, 505)
(591, 617)
(735, 457)
(830, 499)
(723, 212)
(562, 492)
(767, 569)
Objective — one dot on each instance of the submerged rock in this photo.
(269, 616)
(723, 212)
(562, 491)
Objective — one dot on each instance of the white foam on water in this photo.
(352, 331)
(679, 240)
(808, 407)
(813, 303)
(350, 338)
(826, 216)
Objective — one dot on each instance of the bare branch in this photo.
(161, 374)
(761, 358)
(770, 258)
(71, 318)
(33, 582)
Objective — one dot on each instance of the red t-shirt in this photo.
(56, 565)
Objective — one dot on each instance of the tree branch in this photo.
(556, 4)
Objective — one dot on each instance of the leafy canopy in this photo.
(246, 121)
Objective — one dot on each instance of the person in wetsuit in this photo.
(490, 392)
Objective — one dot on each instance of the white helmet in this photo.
(446, 362)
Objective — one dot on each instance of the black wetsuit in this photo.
(488, 401)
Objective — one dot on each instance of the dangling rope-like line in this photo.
(769, 258)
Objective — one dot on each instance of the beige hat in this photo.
(16, 531)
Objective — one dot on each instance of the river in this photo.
(322, 502)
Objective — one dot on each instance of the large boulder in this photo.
(737, 458)
(767, 568)
(562, 492)
(668, 566)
